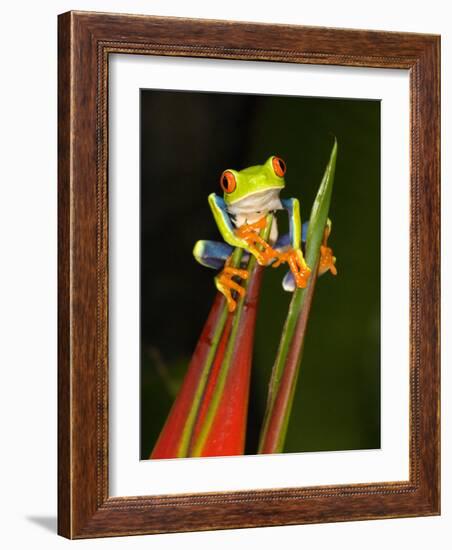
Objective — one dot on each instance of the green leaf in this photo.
(287, 364)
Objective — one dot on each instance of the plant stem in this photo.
(187, 431)
(286, 367)
(233, 346)
(285, 373)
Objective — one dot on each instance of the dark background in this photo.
(187, 140)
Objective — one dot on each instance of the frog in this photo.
(241, 214)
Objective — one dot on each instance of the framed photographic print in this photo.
(248, 275)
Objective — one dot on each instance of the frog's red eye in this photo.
(227, 182)
(279, 166)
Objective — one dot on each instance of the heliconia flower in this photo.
(227, 432)
(169, 443)
(209, 415)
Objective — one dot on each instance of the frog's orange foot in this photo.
(255, 227)
(269, 254)
(327, 260)
(260, 249)
(225, 284)
(299, 268)
(253, 240)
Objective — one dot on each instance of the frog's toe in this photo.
(289, 282)
(225, 289)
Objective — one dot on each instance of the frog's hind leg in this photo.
(285, 240)
(216, 255)
(212, 254)
(327, 259)
(225, 283)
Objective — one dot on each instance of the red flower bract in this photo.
(226, 433)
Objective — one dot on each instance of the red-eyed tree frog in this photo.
(249, 195)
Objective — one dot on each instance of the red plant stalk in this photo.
(226, 436)
(168, 443)
(209, 414)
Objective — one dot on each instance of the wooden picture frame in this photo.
(86, 40)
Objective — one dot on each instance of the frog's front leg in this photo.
(217, 255)
(327, 260)
(250, 234)
(290, 252)
(246, 236)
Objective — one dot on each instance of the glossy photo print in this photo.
(260, 274)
